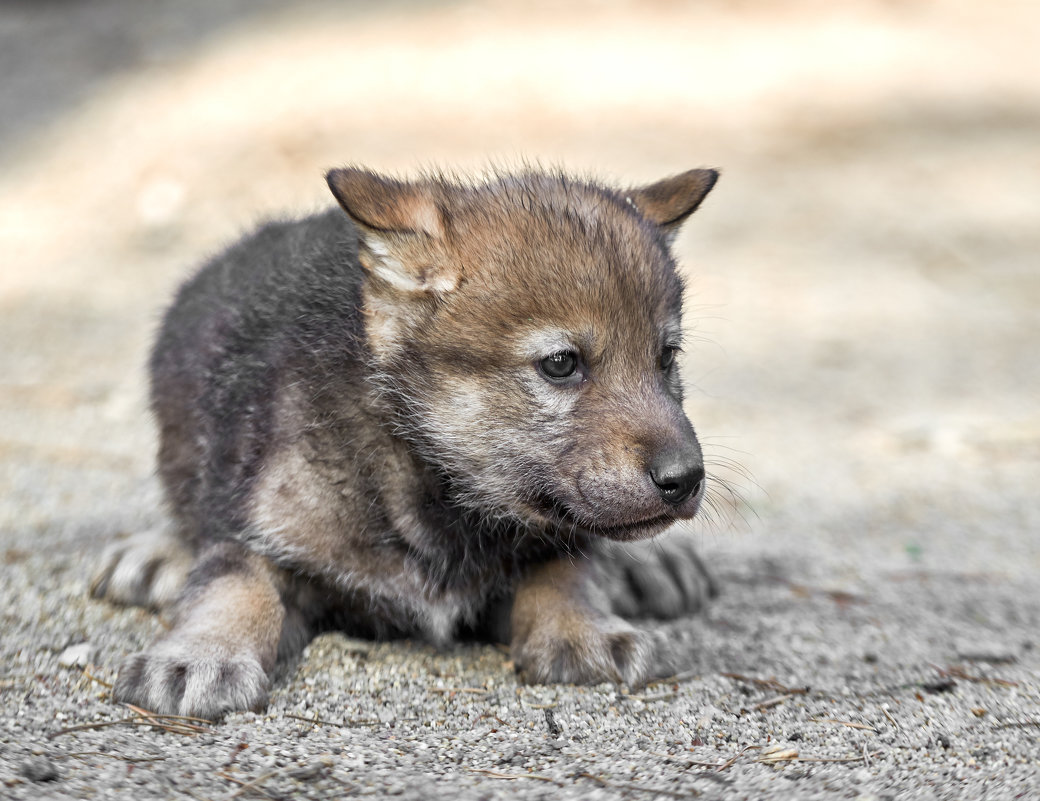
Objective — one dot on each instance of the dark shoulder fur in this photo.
(284, 300)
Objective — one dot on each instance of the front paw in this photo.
(662, 578)
(195, 679)
(571, 649)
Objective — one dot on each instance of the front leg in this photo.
(222, 648)
(563, 631)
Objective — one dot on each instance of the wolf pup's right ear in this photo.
(667, 203)
(400, 226)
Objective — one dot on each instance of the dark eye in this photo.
(559, 365)
(668, 357)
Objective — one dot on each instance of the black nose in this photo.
(677, 474)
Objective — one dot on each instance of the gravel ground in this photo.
(865, 313)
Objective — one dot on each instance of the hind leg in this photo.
(148, 569)
(661, 578)
(222, 648)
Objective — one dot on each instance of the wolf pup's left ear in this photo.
(667, 203)
(400, 226)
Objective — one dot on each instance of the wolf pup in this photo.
(454, 409)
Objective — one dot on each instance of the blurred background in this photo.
(864, 304)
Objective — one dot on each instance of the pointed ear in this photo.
(400, 229)
(669, 202)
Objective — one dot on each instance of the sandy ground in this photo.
(865, 321)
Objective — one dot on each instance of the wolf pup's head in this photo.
(524, 332)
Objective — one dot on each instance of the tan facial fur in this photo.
(522, 272)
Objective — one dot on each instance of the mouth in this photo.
(560, 516)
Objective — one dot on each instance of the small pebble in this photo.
(39, 769)
(79, 655)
